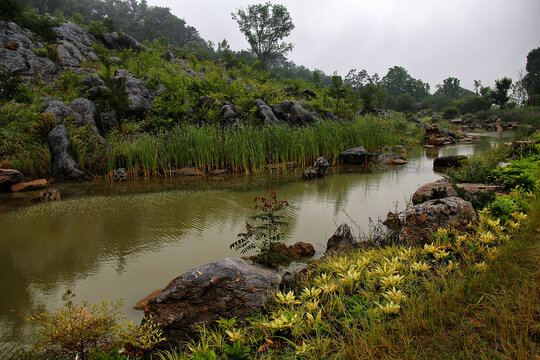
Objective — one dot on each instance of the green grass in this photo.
(248, 148)
(495, 315)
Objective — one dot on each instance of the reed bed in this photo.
(248, 148)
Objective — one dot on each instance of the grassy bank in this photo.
(464, 296)
(247, 148)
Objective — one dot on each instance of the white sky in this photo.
(432, 39)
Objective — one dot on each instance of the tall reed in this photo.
(248, 148)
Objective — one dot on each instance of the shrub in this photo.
(12, 87)
(79, 330)
(265, 237)
(520, 173)
(450, 112)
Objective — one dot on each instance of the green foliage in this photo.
(478, 169)
(237, 351)
(472, 104)
(68, 86)
(264, 25)
(405, 102)
(11, 9)
(264, 235)
(532, 78)
(450, 112)
(89, 331)
(12, 87)
(500, 94)
(48, 50)
(41, 25)
(522, 173)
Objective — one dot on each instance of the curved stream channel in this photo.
(123, 241)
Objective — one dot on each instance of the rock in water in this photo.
(415, 225)
(318, 169)
(223, 289)
(9, 177)
(120, 175)
(434, 190)
(63, 165)
(342, 240)
(357, 155)
(452, 161)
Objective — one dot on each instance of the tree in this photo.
(532, 78)
(264, 25)
(477, 86)
(451, 88)
(500, 94)
(337, 90)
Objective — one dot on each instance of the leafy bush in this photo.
(520, 173)
(78, 330)
(450, 112)
(12, 87)
(48, 50)
(267, 235)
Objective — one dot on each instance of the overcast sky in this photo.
(432, 39)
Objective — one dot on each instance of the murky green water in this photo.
(122, 241)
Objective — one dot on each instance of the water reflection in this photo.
(110, 241)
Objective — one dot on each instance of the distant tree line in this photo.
(134, 17)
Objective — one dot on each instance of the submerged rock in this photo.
(415, 225)
(29, 185)
(49, 195)
(224, 289)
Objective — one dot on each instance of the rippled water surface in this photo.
(123, 241)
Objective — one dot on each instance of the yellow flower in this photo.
(486, 237)
(429, 249)
(420, 266)
(389, 308)
(480, 267)
(312, 292)
(391, 280)
(287, 299)
(312, 305)
(395, 295)
(235, 335)
(328, 287)
(441, 254)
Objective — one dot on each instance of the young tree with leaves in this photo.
(264, 25)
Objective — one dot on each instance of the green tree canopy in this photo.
(264, 26)
(500, 94)
(532, 78)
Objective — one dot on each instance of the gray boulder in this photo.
(120, 175)
(94, 86)
(342, 240)
(167, 55)
(138, 96)
(390, 159)
(265, 113)
(16, 52)
(224, 289)
(318, 169)
(88, 114)
(448, 132)
(452, 161)
(309, 94)
(357, 155)
(63, 165)
(74, 44)
(58, 108)
(229, 116)
(107, 121)
(114, 40)
(415, 225)
(434, 190)
(293, 112)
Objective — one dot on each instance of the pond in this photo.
(122, 241)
